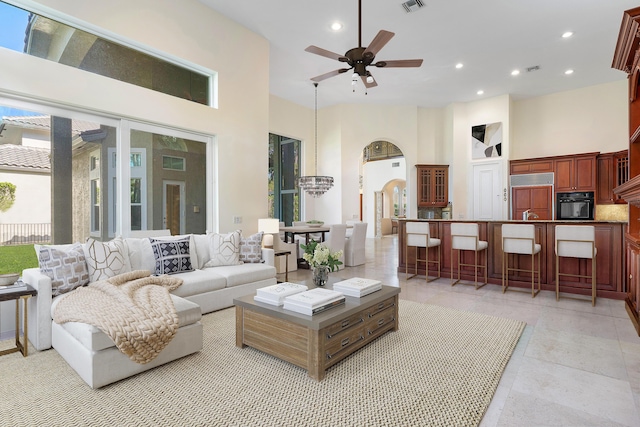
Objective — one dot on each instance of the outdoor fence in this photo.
(23, 234)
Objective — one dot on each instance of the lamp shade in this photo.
(269, 225)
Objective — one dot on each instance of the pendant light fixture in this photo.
(315, 185)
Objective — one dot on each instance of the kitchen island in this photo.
(610, 269)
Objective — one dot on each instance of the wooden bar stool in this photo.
(465, 236)
(576, 241)
(418, 235)
(520, 239)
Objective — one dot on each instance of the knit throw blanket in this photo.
(134, 309)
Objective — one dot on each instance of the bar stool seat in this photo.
(418, 235)
(520, 239)
(466, 237)
(576, 241)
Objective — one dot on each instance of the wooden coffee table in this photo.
(316, 342)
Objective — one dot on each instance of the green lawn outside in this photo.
(14, 259)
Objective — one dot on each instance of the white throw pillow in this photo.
(65, 265)
(224, 249)
(106, 259)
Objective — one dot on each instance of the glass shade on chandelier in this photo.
(315, 186)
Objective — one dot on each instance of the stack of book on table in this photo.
(314, 301)
(275, 294)
(357, 286)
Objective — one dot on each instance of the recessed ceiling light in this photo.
(568, 72)
(515, 72)
(480, 92)
(459, 65)
(567, 34)
(336, 26)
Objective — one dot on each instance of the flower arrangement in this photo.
(317, 254)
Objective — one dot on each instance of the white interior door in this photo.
(488, 197)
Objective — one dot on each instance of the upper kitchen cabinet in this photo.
(433, 186)
(531, 166)
(612, 171)
(575, 173)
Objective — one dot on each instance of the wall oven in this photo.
(575, 206)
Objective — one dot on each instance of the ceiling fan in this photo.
(359, 58)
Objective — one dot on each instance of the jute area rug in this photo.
(440, 369)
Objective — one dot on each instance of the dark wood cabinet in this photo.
(612, 171)
(625, 58)
(536, 199)
(433, 186)
(531, 166)
(575, 173)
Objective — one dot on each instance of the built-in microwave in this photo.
(575, 206)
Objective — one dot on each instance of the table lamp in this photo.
(269, 226)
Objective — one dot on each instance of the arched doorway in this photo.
(383, 186)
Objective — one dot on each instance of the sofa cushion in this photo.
(199, 281)
(95, 340)
(251, 248)
(65, 265)
(224, 249)
(172, 256)
(106, 259)
(201, 242)
(243, 274)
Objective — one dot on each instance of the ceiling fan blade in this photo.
(369, 85)
(326, 53)
(378, 42)
(325, 76)
(399, 63)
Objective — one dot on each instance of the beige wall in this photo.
(194, 33)
(584, 120)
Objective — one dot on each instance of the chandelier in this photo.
(315, 185)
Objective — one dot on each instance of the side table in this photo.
(24, 295)
(286, 262)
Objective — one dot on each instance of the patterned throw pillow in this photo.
(251, 248)
(224, 249)
(106, 259)
(65, 265)
(172, 256)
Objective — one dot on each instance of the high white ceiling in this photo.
(490, 37)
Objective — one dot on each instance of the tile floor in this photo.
(575, 365)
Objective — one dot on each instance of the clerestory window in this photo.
(41, 36)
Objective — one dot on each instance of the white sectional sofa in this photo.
(211, 288)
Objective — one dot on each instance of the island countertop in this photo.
(610, 266)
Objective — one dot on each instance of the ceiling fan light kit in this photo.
(315, 185)
(359, 58)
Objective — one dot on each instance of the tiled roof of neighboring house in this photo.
(21, 157)
(44, 122)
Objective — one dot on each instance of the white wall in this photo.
(194, 33)
(30, 189)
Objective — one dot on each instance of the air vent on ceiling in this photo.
(534, 68)
(395, 164)
(412, 5)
